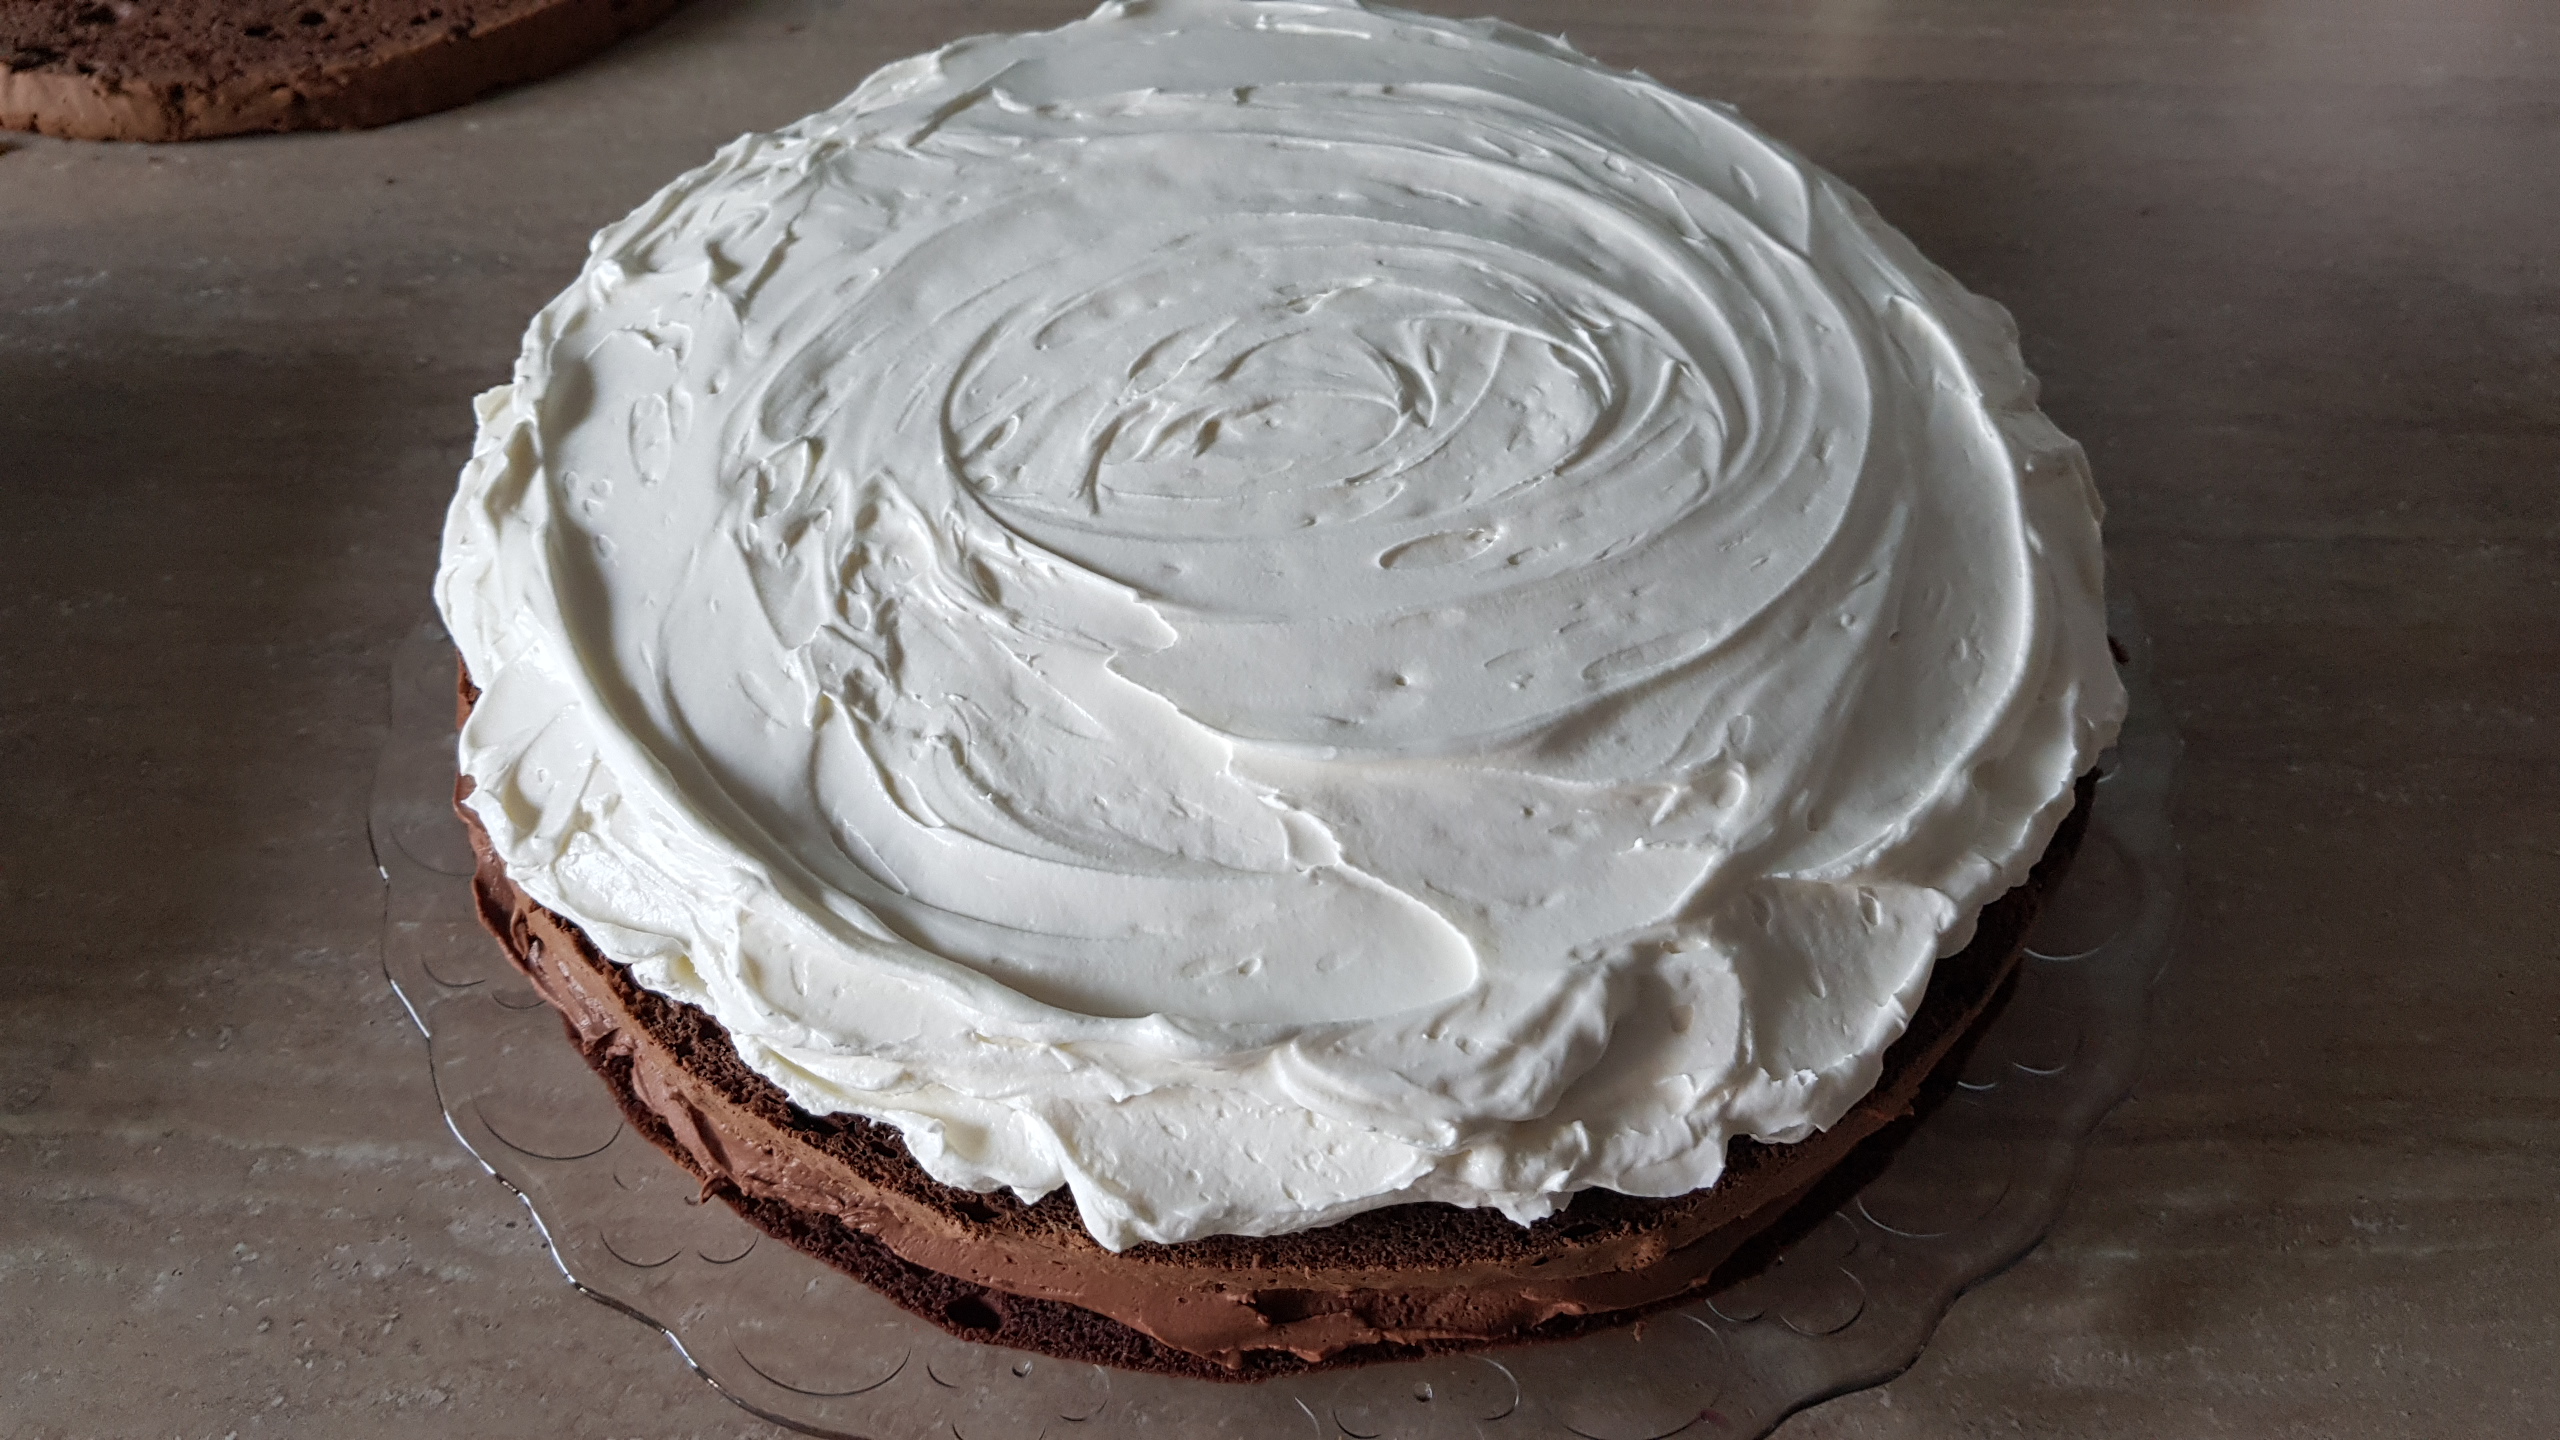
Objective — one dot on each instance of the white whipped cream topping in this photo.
(1263, 610)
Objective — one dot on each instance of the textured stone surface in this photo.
(2285, 267)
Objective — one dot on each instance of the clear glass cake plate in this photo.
(1847, 1304)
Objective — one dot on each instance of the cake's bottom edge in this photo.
(1410, 1281)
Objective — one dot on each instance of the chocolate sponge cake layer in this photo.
(1400, 1281)
(194, 69)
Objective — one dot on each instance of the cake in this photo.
(196, 69)
(1257, 685)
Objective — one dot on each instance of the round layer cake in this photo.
(1307, 678)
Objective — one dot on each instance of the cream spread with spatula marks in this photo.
(1263, 610)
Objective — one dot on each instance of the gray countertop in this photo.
(2286, 267)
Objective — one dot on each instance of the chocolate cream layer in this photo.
(1426, 1274)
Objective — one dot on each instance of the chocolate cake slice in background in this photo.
(195, 69)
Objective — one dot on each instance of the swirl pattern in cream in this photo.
(1262, 610)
